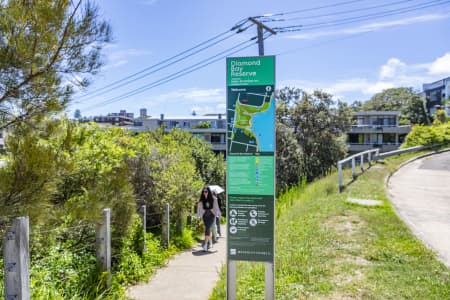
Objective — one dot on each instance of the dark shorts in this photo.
(208, 218)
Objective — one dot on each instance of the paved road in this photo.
(420, 192)
(191, 275)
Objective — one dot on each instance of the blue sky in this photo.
(351, 49)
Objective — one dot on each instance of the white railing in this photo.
(368, 153)
(400, 151)
(370, 158)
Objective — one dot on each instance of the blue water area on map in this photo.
(263, 127)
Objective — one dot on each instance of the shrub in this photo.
(428, 135)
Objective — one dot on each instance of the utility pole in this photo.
(261, 26)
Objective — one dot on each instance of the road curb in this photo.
(405, 219)
(386, 180)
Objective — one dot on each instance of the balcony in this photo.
(384, 147)
(403, 129)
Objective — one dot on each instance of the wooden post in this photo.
(341, 185)
(103, 240)
(143, 211)
(180, 220)
(353, 168)
(16, 259)
(166, 226)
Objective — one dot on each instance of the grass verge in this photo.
(327, 248)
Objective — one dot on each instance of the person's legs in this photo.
(214, 231)
(218, 226)
(208, 220)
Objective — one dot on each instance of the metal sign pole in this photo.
(231, 280)
(269, 282)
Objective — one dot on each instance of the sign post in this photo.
(250, 166)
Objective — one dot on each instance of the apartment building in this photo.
(210, 127)
(434, 94)
(377, 129)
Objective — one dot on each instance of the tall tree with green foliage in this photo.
(47, 49)
(400, 99)
(210, 167)
(318, 126)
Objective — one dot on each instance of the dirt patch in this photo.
(355, 260)
(345, 279)
(344, 225)
(377, 166)
(340, 297)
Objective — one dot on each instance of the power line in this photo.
(151, 70)
(298, 27)
(177, 74)
(337, 13)
(309, 9)
(236, 27)
(366, 17)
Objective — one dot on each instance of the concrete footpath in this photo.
(420, 193)
(189, 275)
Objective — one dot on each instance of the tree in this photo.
(289, 166)
(356, 106)
(47, 48)
(77, 114)
(440, 117)
(401, 99)
(318, 127)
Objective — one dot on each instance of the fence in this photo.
(353, 158)
(16, 256)
(376, 157)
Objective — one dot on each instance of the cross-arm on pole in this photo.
(261, 27)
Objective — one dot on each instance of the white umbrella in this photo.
(216, 188)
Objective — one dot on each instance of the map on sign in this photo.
(250, 119)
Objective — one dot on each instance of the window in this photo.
(215, 138)
(353, 138)
(389, 138)
(221, 124)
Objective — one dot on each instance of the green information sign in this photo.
(250, 158)
(250, 71)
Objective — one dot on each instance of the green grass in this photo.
(329, 249)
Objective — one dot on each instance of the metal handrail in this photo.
(352, 159)
(376, 157)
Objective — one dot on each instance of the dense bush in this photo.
(428, 135)
(62, 174)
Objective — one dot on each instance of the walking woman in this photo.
(208, 210)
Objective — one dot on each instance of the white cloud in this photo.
(393, 68)
(221, 107)
(441, 66)
(376, 26)
(193, 95)
(394, 73)
(371, 27)
(118, 58)
(349, 85)
(115, 64)
(149, 2)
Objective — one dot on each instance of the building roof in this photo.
(378, 113)
(437, 84)
(190, 117)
